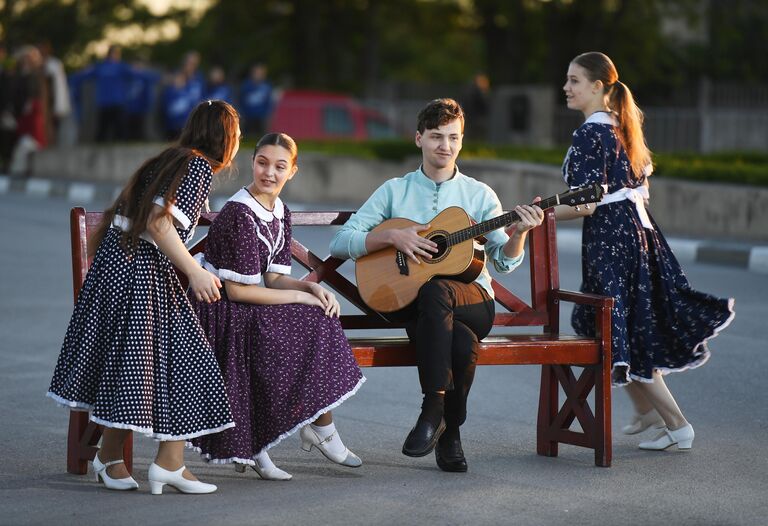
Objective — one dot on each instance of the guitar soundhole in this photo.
(439, 237)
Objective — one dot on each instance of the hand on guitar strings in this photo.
(530, 217)
(409, 242)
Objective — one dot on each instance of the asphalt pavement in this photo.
(721, 481)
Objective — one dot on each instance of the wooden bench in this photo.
(557, 353)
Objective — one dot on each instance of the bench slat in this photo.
(544, 349)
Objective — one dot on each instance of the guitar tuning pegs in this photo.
(586, 206)
(577, 208)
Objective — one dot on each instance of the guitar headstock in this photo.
(583, 195)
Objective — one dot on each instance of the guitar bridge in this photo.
(402, 262)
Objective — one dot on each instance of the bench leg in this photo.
(548, 408)
(76, 463)
(603, 437)
(82, 437)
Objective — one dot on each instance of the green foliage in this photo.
(739, 168)
(352, 45)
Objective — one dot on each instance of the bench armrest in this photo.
(582, 298)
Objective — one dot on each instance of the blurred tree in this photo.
(70, 26)
(738, 32)
(356, 45)
(532, 41)
(339, 44)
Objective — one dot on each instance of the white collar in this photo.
(602, 117)
(244, 197)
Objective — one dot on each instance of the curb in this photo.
(751, 257)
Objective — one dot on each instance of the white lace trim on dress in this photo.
(207, 457)
(147, 431)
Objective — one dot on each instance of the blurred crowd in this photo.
(123, 101)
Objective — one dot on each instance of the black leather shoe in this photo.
(450, 455)
(422, 438)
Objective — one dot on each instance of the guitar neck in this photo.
(490, 225)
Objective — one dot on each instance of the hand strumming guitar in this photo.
(409, 242)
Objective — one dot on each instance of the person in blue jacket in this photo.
(112, 77)
(217, 87)
(140, 100)
(176, 105)
(256, 100)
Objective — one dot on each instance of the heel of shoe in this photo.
(155, 487)
(306, 446)
(685, 444)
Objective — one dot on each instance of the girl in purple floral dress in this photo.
(659, 323)
(282, 351)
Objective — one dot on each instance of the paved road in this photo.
(721, 481)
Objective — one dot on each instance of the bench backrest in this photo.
(541, 254)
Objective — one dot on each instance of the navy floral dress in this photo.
(283, 365)
(659, 322)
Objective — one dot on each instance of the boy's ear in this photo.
(417, 139)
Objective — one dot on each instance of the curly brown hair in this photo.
(439, 112)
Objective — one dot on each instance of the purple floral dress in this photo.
(658, 321)
(283, 365)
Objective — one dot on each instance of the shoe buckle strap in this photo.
(328, 438)
(113, 462)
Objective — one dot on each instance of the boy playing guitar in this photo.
(449, 317)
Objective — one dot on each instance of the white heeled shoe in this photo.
(310, 439)
(100, 469)
(159, 477)
(683, 437)
(266, 473)
(642, 422)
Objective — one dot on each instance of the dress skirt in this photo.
(658, 321)
(283, 365)
(134, 352)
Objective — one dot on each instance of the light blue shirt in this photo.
(418, 198)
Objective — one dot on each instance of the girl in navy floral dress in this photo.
(134, 353)
(284, 356)
(660, 324)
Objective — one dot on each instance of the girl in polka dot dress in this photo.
(134, 353)
(284, 356)
(659, 323)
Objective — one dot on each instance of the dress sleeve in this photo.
(191, 193)
(586, 160)
(232, 246)
(282, 261)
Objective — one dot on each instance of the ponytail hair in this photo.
(620, 100)
(210, 132)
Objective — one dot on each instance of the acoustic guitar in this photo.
(388, 281)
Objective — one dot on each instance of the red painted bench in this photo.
(556, 353)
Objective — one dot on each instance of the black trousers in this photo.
(449, 318)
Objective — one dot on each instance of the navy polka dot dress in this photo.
(134, 352)
(659, 322)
